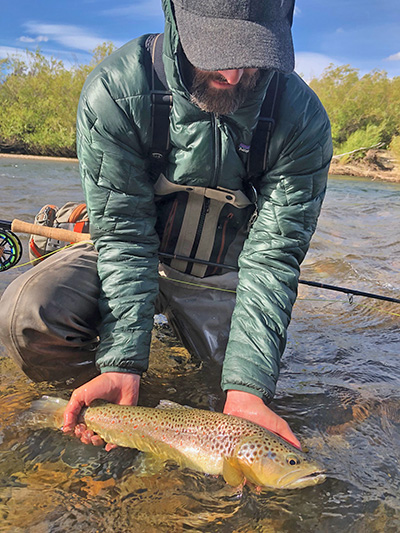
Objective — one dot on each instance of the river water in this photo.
(339, 390)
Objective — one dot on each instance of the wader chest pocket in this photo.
(201, 223)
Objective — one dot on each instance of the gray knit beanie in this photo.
(231, 34)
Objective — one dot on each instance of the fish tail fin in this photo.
(46, 412)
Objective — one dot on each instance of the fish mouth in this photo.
(293, 480)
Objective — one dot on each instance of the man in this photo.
(219, 58)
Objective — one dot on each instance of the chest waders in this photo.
(201, 228)
(206, 226)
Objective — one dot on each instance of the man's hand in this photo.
(252, 408)
(115, 387)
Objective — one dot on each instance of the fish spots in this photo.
(200, 438)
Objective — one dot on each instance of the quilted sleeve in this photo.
(290, 199)
(113, 119)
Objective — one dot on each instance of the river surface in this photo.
(339, 390)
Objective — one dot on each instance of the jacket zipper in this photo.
(217, 151)
(213, 184)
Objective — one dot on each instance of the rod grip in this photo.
(58, 234)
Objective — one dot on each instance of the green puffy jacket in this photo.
(114, 139)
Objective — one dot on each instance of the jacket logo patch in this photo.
(244, 148)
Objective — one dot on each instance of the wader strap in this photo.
(258, 157)
(161, 104)
(235, 197)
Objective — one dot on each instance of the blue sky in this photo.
(364, 34)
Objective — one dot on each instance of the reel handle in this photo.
(58, 234)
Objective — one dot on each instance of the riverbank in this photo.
(38, 157)
(377, 165)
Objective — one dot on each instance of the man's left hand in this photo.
(251, 407)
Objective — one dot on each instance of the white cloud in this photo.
(68, 58)
(70, 36)
(38, 39)
(394, 57)
(311, 65)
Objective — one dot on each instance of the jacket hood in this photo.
(171, 49)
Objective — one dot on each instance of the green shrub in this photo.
(38, 102)
(395, 148)
(369, 104)
(363, 138)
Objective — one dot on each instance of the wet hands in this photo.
(251, 407)
(114, 387)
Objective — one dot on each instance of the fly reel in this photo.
(10, 249)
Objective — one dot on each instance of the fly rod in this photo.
(11, 251)
(58, 234)
(317, 284)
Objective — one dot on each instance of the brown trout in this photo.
(205, 441)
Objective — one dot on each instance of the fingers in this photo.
(81, 397)
(87, 436)
(270, 420)
(287, 434)
(116, 387)
(252, 408)
(72, 411)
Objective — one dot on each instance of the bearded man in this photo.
(196, 214)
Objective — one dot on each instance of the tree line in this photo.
(38, 102)
(364, 110)
(39, 98)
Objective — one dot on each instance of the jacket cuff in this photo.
(123, 370)
(265, 395)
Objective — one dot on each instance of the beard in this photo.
(220, 101)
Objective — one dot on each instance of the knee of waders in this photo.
(43, 330)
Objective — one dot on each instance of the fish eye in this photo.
(292, 460)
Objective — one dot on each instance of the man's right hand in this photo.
(251, 407)
(115, 387)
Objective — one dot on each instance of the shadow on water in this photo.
(339, 391)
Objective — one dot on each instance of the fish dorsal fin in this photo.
(168, 404)
(232, 472)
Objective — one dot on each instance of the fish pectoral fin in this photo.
(148, 463)
(232, 472)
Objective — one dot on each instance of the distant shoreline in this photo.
(38, 157)
(375, 166)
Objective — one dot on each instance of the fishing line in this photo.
(320, 300)
(33, 261)
(349, 292)
(368, 306)
(319, 285)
